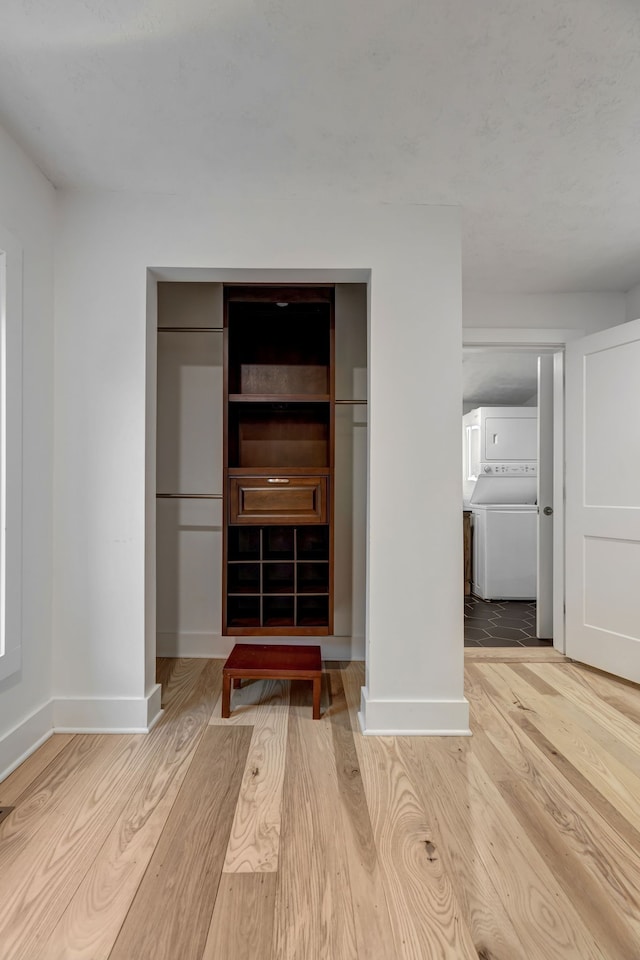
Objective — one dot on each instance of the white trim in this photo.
(518, 336)
(194, 644)
(151, 375)
(206, 646)
(213, 646)
(11, 662)
(103, 715)
(559, 638)
(20, 742)
(77, 716)
(534, 338)
(411, 733)
(154, 705)
(413, 718)
(151, 724)
(258, 275)
(5, 314)
(11, 259)
(545, 540)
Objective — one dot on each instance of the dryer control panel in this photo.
(509, 469)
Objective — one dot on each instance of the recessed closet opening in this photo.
(261, 472)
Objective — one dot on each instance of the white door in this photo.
(602, 445)
(544, 592)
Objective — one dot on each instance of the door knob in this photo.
(548, 511)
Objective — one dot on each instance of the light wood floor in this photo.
(271, 836)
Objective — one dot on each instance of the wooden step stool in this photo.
(272, 661)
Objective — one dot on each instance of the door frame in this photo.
(532, 339)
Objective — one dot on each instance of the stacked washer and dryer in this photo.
(500, 489)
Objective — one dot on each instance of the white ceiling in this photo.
(525, 113)
(500, 377)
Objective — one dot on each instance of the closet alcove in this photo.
(225, 427)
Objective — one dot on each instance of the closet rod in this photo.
(190, 329)
(188, 496)
(352, 402)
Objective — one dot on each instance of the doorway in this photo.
(187, 354)
(509, 598)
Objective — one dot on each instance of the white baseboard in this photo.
(27, 736)
(413, 718)
(194, 645)
(214, 646)
(66, 715)
(98, 715)
(154, 705)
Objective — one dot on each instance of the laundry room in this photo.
(501, 460)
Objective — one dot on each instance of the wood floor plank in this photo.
(622, 695)
(353, 679)
(588, 721)
(611, 778)
(534, 679)
(513, 655)
(52, 796)
(491, 930)
(370, 909)
(24, 776)
(424, 911)
(251, 703)
(89, 926)
(36, 886)
(586, 853)
(254, 842)
(598, 801)
(512, 686)
(314, 913)
(625, 728)
(242, 923)
(508, 760)
(184, 872)
(178, 677)
(583, 865)
(560, 731)
(540, 910)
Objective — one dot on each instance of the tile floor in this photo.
(500, 623)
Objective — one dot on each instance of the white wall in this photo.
(587, 312)
(107, 242)
(469, 405)
(189, 460)
(27, 211)
(633, 303)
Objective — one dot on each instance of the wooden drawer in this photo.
(278, 500)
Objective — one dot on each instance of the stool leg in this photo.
(226, 695)
(317, 686)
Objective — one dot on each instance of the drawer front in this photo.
(278, 500)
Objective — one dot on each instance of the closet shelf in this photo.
(279, 398)
(190, 329)
(189, 496)
(287, 471)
